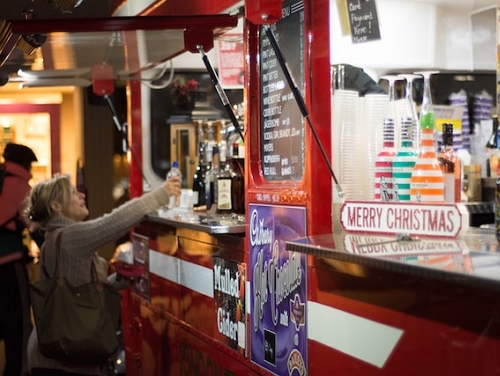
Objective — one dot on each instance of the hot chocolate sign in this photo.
(439, 220)
(278, 290)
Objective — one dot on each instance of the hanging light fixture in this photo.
(28, 43)
(65, 6)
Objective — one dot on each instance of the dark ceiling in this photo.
(101, 44)
(12, 10)
(42, 9)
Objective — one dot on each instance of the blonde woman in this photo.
(56, 206)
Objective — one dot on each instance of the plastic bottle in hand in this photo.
(174, 171)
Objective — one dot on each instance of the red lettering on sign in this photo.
(364, 217)
(422, 219)
(450, 221)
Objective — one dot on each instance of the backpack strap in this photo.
(8, 221)
(57, 272)
(3, 174)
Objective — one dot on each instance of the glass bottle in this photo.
(497, 210)
(222, 148)
(238, 187)
(174, 171)
(410, 110)
(241, 148)
(493, 140)
(210, 143)
(211, 178)
(230, 189)
(385, 157)
(427, 181)
(199, 197)
(451, 166)
(492, 151)
(404, 161)
(235, 150)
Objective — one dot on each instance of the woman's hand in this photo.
(172, 186)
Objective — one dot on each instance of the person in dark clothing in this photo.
(355, 78)
(15, 321)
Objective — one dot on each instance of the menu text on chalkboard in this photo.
(363, 20)
(282, 125)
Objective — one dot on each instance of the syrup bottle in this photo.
(404, 162)
(385, 157)
(427, 180)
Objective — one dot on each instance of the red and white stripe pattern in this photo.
(383, 164)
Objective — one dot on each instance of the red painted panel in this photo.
(135, 134)
(150, 340)
(447, 329)
(431, 344)
(426, 348)
(201, 356)
(263, 11)
(177, 7)
(209, 21)
(312, 192)
(318, 88)
(164, 295)
(197, 310)
(132, 333)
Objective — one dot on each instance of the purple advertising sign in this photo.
(229, 297)
(278, 292)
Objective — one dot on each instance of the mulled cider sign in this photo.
(439, 220)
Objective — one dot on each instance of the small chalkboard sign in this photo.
(363, 20)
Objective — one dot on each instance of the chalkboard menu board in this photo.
(281, 122)
(363, 20)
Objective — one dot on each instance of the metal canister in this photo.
(472, 182)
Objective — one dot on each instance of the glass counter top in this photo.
(473, 258)
(201, 221)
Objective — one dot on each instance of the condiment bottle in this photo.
(450, 166)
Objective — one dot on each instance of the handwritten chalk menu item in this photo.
(363, 20)
(282, 125)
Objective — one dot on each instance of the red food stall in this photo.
(281, 291)
(186, 323)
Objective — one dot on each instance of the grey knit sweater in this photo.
(79, 242)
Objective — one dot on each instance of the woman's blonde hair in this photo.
(58, 189)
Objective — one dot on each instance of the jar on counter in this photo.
(472, 182)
